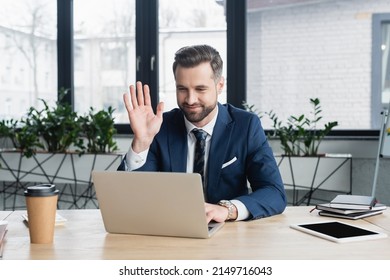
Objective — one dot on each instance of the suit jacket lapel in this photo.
(177, 138)
(220, 142)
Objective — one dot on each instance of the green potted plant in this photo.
(7, 131)
(58, 129)
(300, 135)
(53, 144)
(58, 126)
(98, 129)
(23, 138)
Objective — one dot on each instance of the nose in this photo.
(191, 97)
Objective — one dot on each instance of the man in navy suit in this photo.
(237, 150)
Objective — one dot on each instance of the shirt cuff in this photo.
(242, 211)
(134, 160)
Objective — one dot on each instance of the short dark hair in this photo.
(191, 56)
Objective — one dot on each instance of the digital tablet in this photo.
(338, 232)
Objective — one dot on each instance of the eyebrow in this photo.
(196, 86)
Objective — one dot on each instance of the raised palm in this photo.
(143, 121)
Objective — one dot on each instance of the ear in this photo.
(220, 85)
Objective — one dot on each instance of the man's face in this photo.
(197, 93)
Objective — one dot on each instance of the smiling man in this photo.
(226, 145)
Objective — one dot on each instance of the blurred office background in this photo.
(278, 54)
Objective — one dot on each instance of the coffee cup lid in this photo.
(41, 190)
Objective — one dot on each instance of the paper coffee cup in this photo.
(41, 201)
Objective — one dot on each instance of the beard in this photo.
(195, 117)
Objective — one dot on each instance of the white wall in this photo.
(316, 50)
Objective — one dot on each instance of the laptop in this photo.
(153, 203)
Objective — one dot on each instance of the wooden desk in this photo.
(83, 237)
(382, 221)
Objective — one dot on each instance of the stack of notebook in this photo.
(351, 207)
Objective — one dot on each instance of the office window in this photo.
(380, 77)
(196, 22)
(28, 54)
(299, 50)
(385, 47)
(104, 54)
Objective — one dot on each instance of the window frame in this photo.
(65, 59)
(376, 65)
(236, 56)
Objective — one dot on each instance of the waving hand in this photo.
(143, 121)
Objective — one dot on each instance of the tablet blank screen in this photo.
(338, 230)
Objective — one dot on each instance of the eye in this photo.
(181, 89)
(201, 89)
